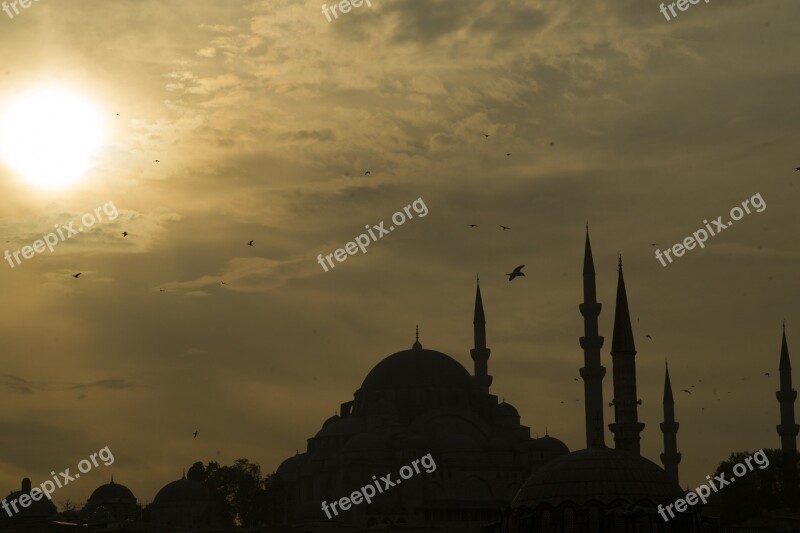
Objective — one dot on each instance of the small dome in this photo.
(505, 409)
(182, 491)
(290, 466)
(549, 445)
(417, 368)
(599, 474)
(111, 492)
(42, 508)
(336, 425)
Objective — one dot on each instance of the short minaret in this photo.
(480, 353)
(671, 458)
(626, 428)
(592, 372)
(787, 429)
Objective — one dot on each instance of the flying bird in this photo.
(504, 227)
(250, 243)
(224, 283)
(517, 272)
(649, 337)
(472, 225)
(195, 434)
(161, 290)
(485, 135)
(653, 244)
(508, 154)
(686, 391)
(766, 373)
(367, 173)
(76, 276)
(552, 143)
(156, 161)
(576, 379)
(124, 233)
(798, 168)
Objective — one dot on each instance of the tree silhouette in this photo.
(756, 491)
(241, 495)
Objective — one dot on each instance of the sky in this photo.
(265, 117)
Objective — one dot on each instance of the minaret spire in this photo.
(626, 427)
(671, 458)
(592, 372)
(480, 353)
(417, 345)
(787, 429)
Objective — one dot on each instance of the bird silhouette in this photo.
(517, 272)
(161, 290)
(195, 434)
(367, 173)
(766, 373)
(485, 135)
(653, 244)
(224, 283)
(76, 276)
(552, 143)
(124, 233)
(156, 161)
(472, 225)
(576, 379)
(508, 154)
(686, 391)
(504, 227)
(250, 243)
(798, 168)
(649, 337)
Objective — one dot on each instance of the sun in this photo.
(49, 136)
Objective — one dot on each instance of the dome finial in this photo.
(417, 345)
(620, 262)
(546, 434)
(112, 479)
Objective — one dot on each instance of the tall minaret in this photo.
(480, 353)
(626, 427)
(592, 372)
(787, 429)
(671, 457)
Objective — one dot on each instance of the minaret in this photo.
(480, 353)
(787, 429)
(671, 457)
(626, 427)
(592, 372)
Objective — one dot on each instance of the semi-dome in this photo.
(111, 492)
(290, 466)
(415, 368)
(181, 491)
(600, 474)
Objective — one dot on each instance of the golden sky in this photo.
(265, 117)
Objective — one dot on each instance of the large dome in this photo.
(111, 492)
(600, 474)
(417, 368)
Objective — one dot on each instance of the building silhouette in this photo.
(413, 403)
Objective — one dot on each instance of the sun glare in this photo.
(49, 136)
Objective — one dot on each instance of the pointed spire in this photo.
(184, 474)
(417, 345)
(112, 479)
(785, 363)
(546, 434)
(588, 260)
(478, 316)
(668, 399)
(623, 331)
